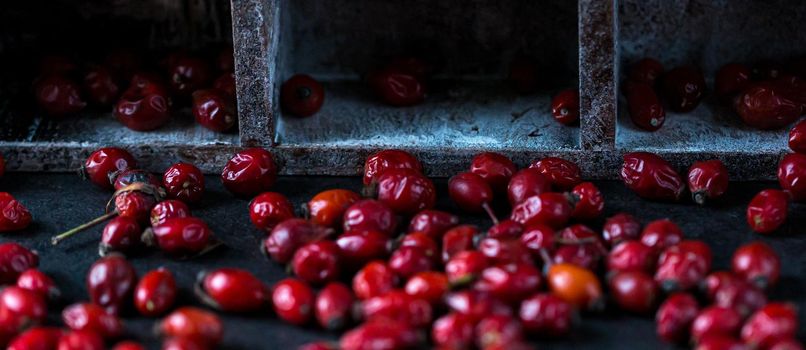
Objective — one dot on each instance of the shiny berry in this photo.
(406, 191)
(792, 175)
(674, 317)
(102, 166)
(433, 223)
(397, 88)
(562, 174)
(458, 239)
(378, 163)
(317, 262)
(142, 110)
(720, 342)
(707, 180)
(407, 261)
(453, 331)
(538, 237)
(38, 282)
(129, 177)
(465, 266)
(565, 107)
(634, 291)
(430, 286)
(797, 138)
(589, 201)
(552, 209)
(182, 236)
(168, 209)
(683, 88)
(757, 263)
(644, 106)
(184, 343)
(14, 259)
(546, 315)
(647, 70)
(585, 256)
(767, 105)
(100, 87)
(58, 96)
(293, 301)
(371, 335)
(27, 306)
(128, 345)
(715, 321)
(504, 251)
(495, 168)
(155, 293)
(13, 215)
(621, 227)
(651, 177)
(730, 80)
(327, 207)
(511, 282)
(420, 241)
(742, 296)
(476, 304)
(334, 305)
(498, 330)
(213, 110)
(716, 280)
(192, 322)
(374, 279)
(188, 74)
(631, 256)
(92, 318)
(121, 234)
(397, 306)
(505, 229)
(357, 248)
(684, 265)
(526, 183)
(470, 192)
(80, 340)
(787, 344)
(231, 290)
(661, 234)
(37, 338)
(269, 209)
(110, 282)
(773, 322)
(302, 96)
(576, 285)
(370, 215)
(288, 236)
(184, 181)
(767, 211)
(249, 172)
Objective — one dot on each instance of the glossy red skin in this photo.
(374, 279)
(476, 304)
(407, 261)
(797, 137)
(431, 286)
(213, 109)
(772, 323)
(317, 262)
(168, 209)
(327, 207)
(495, 168)
(634, 291)
(715, 320)
(498, 330)
(787, 344)
(100, 87)
(683, 88)
(464, 267)
(546, 315)
(550, 208)
(434, 223)
(131, 176)
(14, 259)
(110, 282)
(334, 305)
(453, 331)
(225, 84)
(792, 175)
(184, 181)
(565, 107)
(632, 256)
(58, 96)
(523, 75)
(302, 96)
(38, 282)
(13, 215)
(146, 83)
(707, 180)
(590, 202)
(249, 172)
(184, 343)
(121, 234)
(370, 215)
(28, 306)
(526, 183)
(510, 283)
(742, 296)
(293, 301)
(730, 80)
(504, 251)
(188, 74)
(767, 105)
(357, 248)
(381, 161)
(92, 318)
(562, 174)
(538, 237)
(268, 209)
(373, 335)
(644, 106)
(674, 317)
(288, 236)
(647, 70)
(505, 229)
(767, 211)
(661, 234)
(621, 227)
(397, 306)
(757, 263)
(716, 280)
(397, 87)
(80, 340)
(37, 338)
(155, 293)
(651, 177)
(683, 266)
(101, 164)
(128, 345)
(721, 342)
(406, 191)
(421, 241)
(585, 256)
(232, 290)
(470, 192)
(143, 112)
(182, 236)
(192, 322)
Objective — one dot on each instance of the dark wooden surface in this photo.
(60, 201)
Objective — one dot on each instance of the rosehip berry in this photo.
(327, 207)
(213, 110)
(374, 279)
(142, 110)
(589, 201)
(136, 203)
(675, 316)
(184, 343)
(58, 96)
(421, 241)
(121, 234)
(707, 180)
(715, 321)
(495, 168)
(433, 223)
(29, 307)
(565, 107)
(661, 234)
(80, 340)
(269, 209)
(92, 318)
(644, 106)
(504, 251)
(523, 75)
(130, 177)
(767, 105)
(101, 88)
(13, 215)
(562, 174)
(716, 280)
(797, 137)
(470, 193)
(397, 88)
(38, 282)
(182, 236)
(585, 256)
(397, 306)
(225, 84)
(168, 209)
(647, 70)
(621, 227)
(188, 74)
(184, 181)
(792, 175)
(231, 290)
(476, 304)
(110, 282)
(249, 172)
(14, 259)
(742, 296)
(546, 315)
(293, 301)
(192, 322)
(128, 345)
(651, 177)
(464, 267)
(370, 215)
(767, 211)
(757, 263)
(511, 282)
(357, 248)
(407, 261)
(334, 305)
(575, 285)
(720, 342)
(288, 236)
(634, 291)
(458, 239)
(430, 286)
(317, 262)
(498, 330)
(683, 88)
(526, 183)
(506, 229)
(302, 96)
(155, 293)
(37, 338)
(631, 256)
(393, 335)
(538, 237)
(787, 344)
(684, 265)
(453, 331)
(380, 162)
(730, 80)
(551, 209)
(406, 191)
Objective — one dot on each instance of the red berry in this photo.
(621, 227)
(584, 256)
(288, 236)
(391, 335)
(407, 261)
(128, 345)
(225, 84)
(327, 207)
(562, 174)
(249, 172)
(155, 293)
(213, 110)
(370, 215)
(293, 301)
(184, 343)
(269, 209)
(526, 183)
(730, 80)
(576, 285)
(136, 204)
(184, 181)
(720, 342)
(506, 229)
(101, 88)
(110, 282)
(589, 201)
(791, 170)
(231, 290)
(757, 263)
(715, 321)
(565, 107)
(80, 340)
(420, 241)
(797, 138)
(742, 296)
(552, 209)
(58, 96)
(683, 88)
(430, 286)
(38, 282)
(121, 234)
(453, 331)
(374, 279)
(168, 209)
(380, 162)
(511, 282)
(538, 237)
(397, 88)
(768, 105)
(504, 251)
(129, 177)
(317, 262)
(716, 280)
(647, 70)
(476, 304)
(632, 256)
(334, 305)
(92, 318)
(433, 223)
(302, 96)
(27, 306)
(498, 330)
(182, 236)
(684, 265)
(767, 211)
(142, 110)
(675, 316)
(634, 291)
(546, 315)
(192, 322)
(188, 74)
(495, 168)
(13, 215)
(465, 266)
(787, 344)
(651, 177)
(357, 248)
(397, 306)
(470, 192)
(458, 239)
(406, 191)
(661, 234)
(646, 110)
(707, 180)
(37, 338)
(14, 259)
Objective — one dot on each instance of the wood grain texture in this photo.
(597, 74)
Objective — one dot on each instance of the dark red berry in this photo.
(370, 215)
(191, 322)
(334, 305)
(288, 236)
(675, 316)
(396, 87)
(155, 293)
(767, 211)
(433, 223)
(453, 331)
(498, 330)
(621, 227)
(121, 234)
(249, 172)
(797, 138)
(184, 181)
(757, 263)
(715, 321)
(526, 183)
(58, 96)
(707, 180)
(538, 237)
(495, 168)
(327, 207)
(231, 290)
(269, 209)
(408, 260)
(647, 70)
(505, 229)
(374, 279)
(552, 209)
(651, 177)
(128, 345)
(14, 259)
(225, 84)
(683, 88)
(645, 108)
(716, 280)
(406, 191)
(792, 175)
(188, 74)
(143, 110)
(562, 174)
(589, 201)
(510, 282)
(504, 251)
(470, 192)
(458, 239)
(168, 209)
(546, 315)
(661, 234)
(397, 306)
(213, 110)
(684, 265)
(634, 291)
(394, 335)
(28, 306)
(37, 338)
(92, 318)
(464, 267)
(565, 107)
(13, 215)
(80, 340)
(182, 236)
(357, 248)
(100, 86)
(317, 262)
(730, 80)
(768, 105)
(742, 296)
(773, 322)
(378, 163)
(110, 282)
(476, 304)
(38, 282)
(632, 256)
(293, 301)
(430, 286)
(102, 166)
(302, 96)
